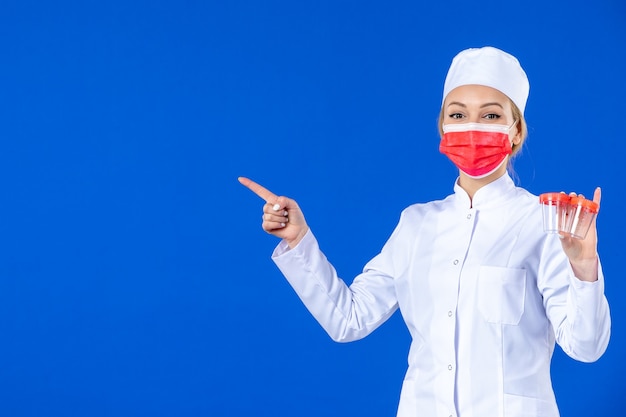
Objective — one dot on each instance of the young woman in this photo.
(484, 291)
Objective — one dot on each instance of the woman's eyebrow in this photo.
(457, 103)
(492, 104)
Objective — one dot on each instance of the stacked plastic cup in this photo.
(568, 215)
(555, 207)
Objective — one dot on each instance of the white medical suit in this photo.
(485, 294)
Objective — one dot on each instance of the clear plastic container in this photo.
(580, 216)
(555, 207)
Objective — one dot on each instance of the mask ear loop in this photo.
(511, 127)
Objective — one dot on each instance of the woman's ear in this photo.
(517, 138)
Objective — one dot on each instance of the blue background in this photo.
(135, 279)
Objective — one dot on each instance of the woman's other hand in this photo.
(582, 253)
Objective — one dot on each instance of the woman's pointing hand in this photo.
(282, 216)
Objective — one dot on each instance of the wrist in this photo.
(294, 242)
(585, 269)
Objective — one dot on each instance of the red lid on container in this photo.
(587, 204)
(547, 198)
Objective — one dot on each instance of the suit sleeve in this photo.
(347, 313)
(578, 310)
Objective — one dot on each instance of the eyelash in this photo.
(489, 116)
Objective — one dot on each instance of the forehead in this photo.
(473, 94)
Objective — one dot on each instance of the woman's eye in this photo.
(455, 115)
(492, 116)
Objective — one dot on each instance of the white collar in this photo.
(487, 196)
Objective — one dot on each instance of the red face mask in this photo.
(477, 149)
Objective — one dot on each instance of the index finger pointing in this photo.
(258, 189)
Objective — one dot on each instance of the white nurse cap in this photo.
(490, 67)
